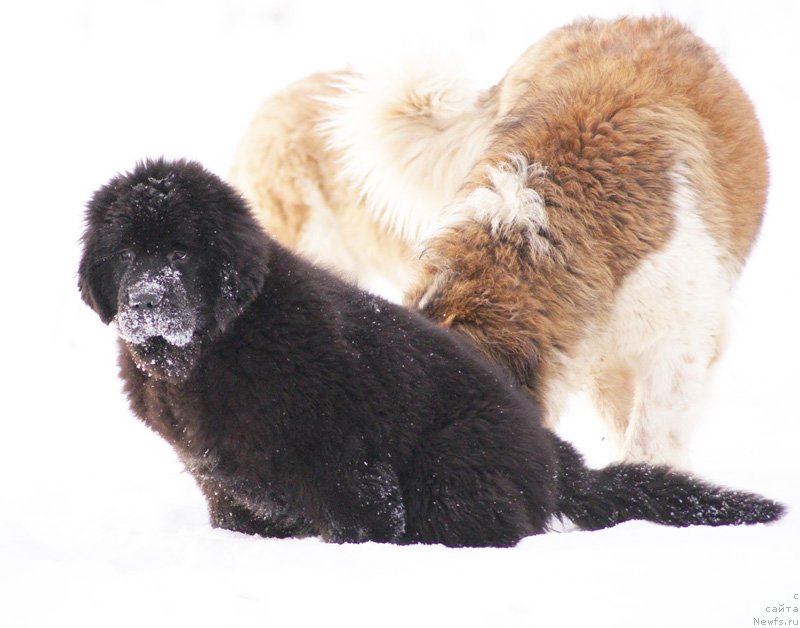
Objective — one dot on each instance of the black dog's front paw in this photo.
(239, 519)
(373, 512)
(389, 531)
(227, 513)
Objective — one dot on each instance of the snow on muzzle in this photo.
(156, 304)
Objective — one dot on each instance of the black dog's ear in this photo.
(240, 252)
(238, 287)
(237, 290)
(91, 280)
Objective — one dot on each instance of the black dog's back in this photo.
(316, 408)
(416, 438)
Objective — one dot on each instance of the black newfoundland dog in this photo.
(304, 406)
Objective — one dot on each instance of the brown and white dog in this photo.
(583, 222)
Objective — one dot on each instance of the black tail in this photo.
(598, 498)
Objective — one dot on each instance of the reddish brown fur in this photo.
(590, 103)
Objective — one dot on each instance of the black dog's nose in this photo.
(145, 299)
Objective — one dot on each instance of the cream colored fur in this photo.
(408, 138)
(292, 180)
(409, 145)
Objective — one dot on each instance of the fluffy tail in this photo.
(598, 498)
(408, 137)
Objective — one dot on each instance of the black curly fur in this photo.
(304, 406)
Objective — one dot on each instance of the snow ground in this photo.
(98, 522)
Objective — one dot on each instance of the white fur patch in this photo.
(321, 240)
(675, 335)
(408, 138)
(326, 242)
(666, 327)
(508, 204)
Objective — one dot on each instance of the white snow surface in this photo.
(99, 523)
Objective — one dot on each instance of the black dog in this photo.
(304, 406)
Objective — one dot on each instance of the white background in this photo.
(98, 522)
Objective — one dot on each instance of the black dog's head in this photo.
(172, 255)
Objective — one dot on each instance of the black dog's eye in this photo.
(126, 255)
(176, 257)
